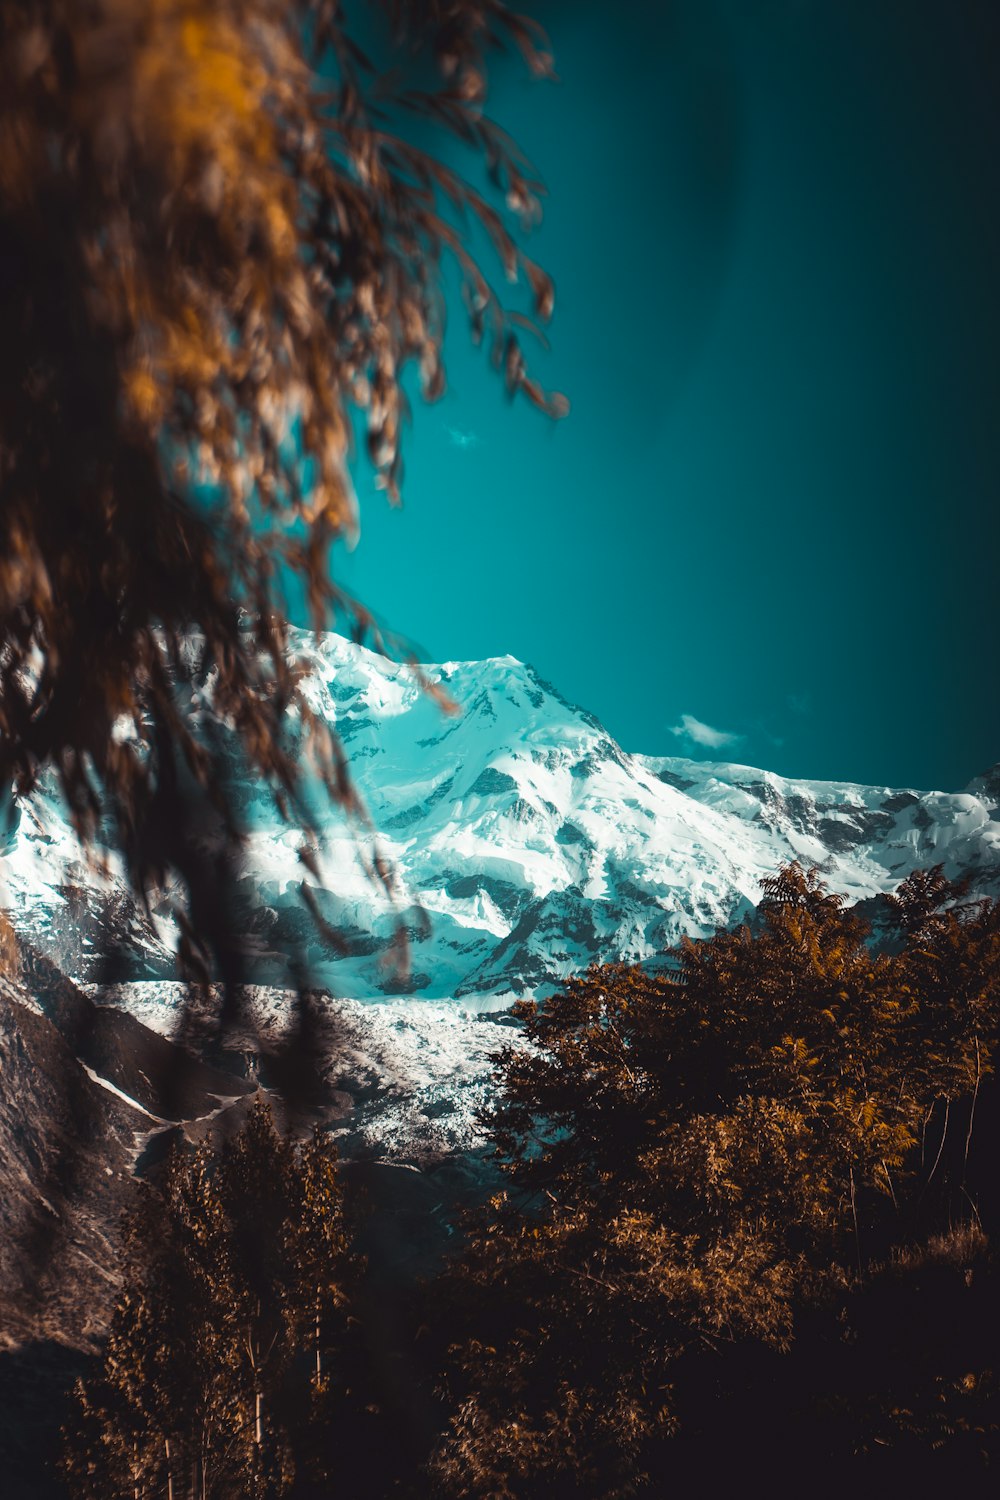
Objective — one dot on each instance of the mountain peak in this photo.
(526, 842)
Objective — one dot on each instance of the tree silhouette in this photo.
(697, 1156)
(228, 1328)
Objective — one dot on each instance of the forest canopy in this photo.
(703, 1162)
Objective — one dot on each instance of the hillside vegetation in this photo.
(747, 1208)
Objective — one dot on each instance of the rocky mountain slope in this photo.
(91, 1099)
(85, 1091)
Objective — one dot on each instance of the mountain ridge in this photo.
(526, 843)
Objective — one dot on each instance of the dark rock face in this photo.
(83, 1088)
(508, 897)
(859, 826)
(91, 1100)
(490, 782)
(66, 1152)
(670, 778)
(900, 802)
(160, 1077)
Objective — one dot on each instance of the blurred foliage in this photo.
(218, 247)
(697, 1160)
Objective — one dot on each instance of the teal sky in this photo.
(775, 234)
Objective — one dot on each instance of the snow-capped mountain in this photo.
(525, 843)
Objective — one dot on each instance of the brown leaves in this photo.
(241, 1262)
(216, 250)
(692, 1159)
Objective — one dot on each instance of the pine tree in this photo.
(235, 1282)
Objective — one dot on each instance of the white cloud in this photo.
(462, 439)
(698, 733)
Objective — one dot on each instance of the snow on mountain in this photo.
(525, 843)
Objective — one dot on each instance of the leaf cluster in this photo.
(694, 1157)
(219, 252)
